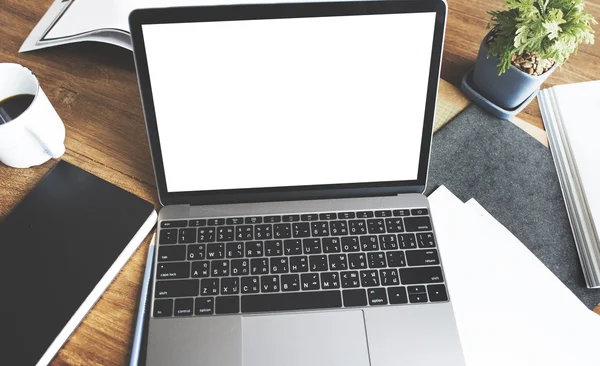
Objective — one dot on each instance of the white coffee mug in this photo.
(37, 134)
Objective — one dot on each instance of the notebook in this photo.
(570, 114)
(60, 249)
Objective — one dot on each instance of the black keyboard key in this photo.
(427, 257)
(407, 241)
(201, 269)
(292, 247)
(331, 245)
(328, 216)
(172, 270)
(177, 288)
(301, 230)
(184, 307)
(262, 232)
(219, 268)
(309, 281)
(397, 295)
(388, 242)
(209, 286)
(357, 260)
(230, 286)
(419, 211)
(338, 262)
(215, 251)
(350, 244)
(206, 234)
(309, 217)
(272, 219)
(377, 296)
(250, 285)
(389, 277)
(369, 278)
(376, 260)
(299, 264)
(234, 249)
(244, 232)
(364, 214)
(437, 293)
(401, 213)
(415, 298)
(317, 263)
(291, 301)
(290, 282)
(234, 220)
(171, 253)
(279, 265)
(290, 218)
(269, 284)
(394, 225)
(383, 213)
(197, 222)
(196, 252)
(240, 267)
(356, 297)
(171, 224)
(225, 233)
(254, 249)
(163, 307)
(253, 220)
(259, 266)
(338, 228)
(350, 279)
(311, 246)
(369, 243)
(396, 258)
(227, 305)
(330, 280)
(420, 223)
(346, 215)
(426, 240)
(168, 236)
(412, 290)
(319, 228)
(204, 306)
(376, 226)
(273, 248)
(415, 275)
(357, 227)
(215, 222)
(282, 231)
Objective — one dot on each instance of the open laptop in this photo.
(291, 144)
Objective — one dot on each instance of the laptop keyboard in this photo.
(296, 262)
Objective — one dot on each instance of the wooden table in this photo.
(94, 89)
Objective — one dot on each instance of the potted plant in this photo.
(527, 42)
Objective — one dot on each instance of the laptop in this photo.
(291, 144)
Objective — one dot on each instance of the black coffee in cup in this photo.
(13, 106)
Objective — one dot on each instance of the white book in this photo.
(571, 115)
(70, 21)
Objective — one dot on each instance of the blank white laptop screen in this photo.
(290, 102)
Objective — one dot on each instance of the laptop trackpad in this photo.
(335, 338)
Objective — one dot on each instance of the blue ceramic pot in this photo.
(508, 90)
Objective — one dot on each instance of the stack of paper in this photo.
(570, 114)
(510, 309)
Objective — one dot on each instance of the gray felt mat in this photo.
(513, 177)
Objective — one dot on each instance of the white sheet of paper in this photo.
(510, 309)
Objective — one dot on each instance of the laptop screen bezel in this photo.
(278, 11)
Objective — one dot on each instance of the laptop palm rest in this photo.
(334, 338)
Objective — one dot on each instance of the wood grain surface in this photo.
(94, 89)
